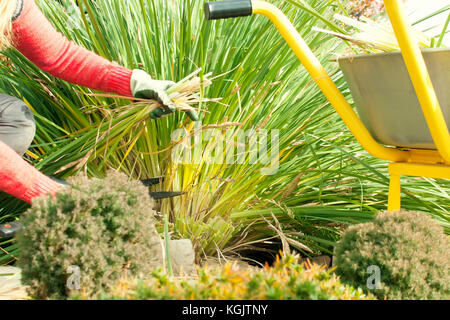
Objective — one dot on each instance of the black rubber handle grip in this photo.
(228, 9)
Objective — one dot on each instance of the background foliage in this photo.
(286, 280)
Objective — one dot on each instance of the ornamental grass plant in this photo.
(371, 34)
(321, 179)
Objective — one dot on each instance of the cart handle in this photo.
(228, 9)
(420, 78)
(237, 8)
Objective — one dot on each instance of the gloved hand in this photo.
(143, 86)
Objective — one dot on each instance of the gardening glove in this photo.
(143, 86)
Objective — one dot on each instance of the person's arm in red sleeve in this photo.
(20, 179)
(48, 49)
(37, 40)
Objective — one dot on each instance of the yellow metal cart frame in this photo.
(410, 162)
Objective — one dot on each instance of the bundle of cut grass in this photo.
(130, 120)
(185, 94)
(378, 35)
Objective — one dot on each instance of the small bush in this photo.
(104, 227)
(409, 248)
(285, 280)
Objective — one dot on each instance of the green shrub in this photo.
(104, 227)
(286, 280)
(409, 248)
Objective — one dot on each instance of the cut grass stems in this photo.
(324, 181)
(374, 36)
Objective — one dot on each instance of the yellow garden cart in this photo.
(401, 120)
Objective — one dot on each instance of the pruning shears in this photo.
(9, 229)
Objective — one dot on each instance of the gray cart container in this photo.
(385, 98)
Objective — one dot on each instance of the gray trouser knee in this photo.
(17, 126)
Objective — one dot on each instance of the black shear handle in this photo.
(228, 9)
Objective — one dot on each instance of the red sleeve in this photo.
(20, 179)
(37, 40)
